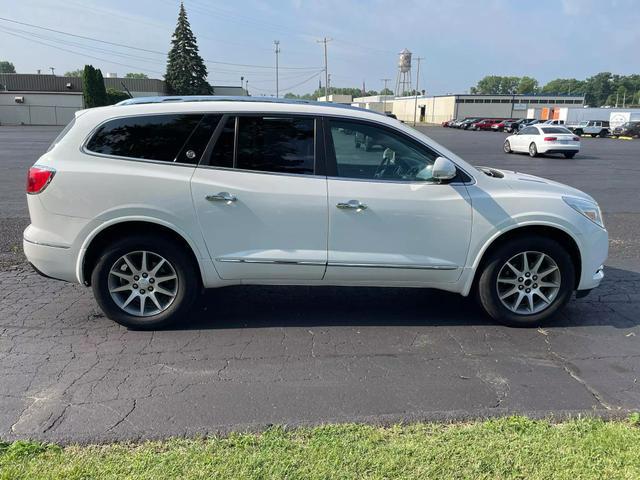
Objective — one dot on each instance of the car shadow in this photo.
(296, 306)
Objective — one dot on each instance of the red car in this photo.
(485, 124)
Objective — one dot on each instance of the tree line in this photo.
(602, 89)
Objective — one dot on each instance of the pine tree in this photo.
(186, 72)
(94, 92)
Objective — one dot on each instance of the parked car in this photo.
(553, 122)
(152, 200)
(500, 126)
(628, 129)
(485, 124)
(448, 123)
(595, 128)
(513, 126)
(542, 139)
(467, 122)
(528, 123)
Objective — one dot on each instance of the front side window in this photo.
(370, 152)
(151, 137)
(276, 144)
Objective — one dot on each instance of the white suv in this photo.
(151, 200)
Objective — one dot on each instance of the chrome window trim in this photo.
(284, 174)
(227, 112)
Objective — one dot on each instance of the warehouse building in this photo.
(437, 109)
(35, 99)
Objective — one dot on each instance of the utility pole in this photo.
(53, 70)
(624, 98)
(384, 96)
(325, 40)
(247, 87)
(415, 109)
(277, 50)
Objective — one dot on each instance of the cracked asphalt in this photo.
(249, 357)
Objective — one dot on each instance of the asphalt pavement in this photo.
(249, 357)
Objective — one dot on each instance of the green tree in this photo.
(7, 67)
(74, 73)
(564, 86)
(135, 75)
(527, 85)
(496, 84)
(95, 95)
(114, 96)
(186, 72)
(386, 91)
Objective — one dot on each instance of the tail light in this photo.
(550, 139)
(39, 178)
(576, 139)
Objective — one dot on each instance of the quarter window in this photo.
(276, 144)
(152, 137)
(370, 152)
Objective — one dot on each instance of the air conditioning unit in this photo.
(18, 99)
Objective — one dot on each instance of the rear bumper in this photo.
(558, 148)
(51, 261)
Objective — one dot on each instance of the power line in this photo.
(145, 49)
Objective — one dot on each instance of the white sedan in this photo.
(541, 139)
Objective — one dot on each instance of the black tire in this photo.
(533, 150)
(487, 290)
(603, 134)
(570, 155)
(507, 147)
(578, 132)
(187, 287)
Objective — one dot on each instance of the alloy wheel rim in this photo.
(507, 147)
(142, 283)
(528, 283)
(532, 149)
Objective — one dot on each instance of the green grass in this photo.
(508, 448)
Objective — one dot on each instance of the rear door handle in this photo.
(222, 197)
(352, 204)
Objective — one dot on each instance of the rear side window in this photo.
(151, 137)
(276, 144)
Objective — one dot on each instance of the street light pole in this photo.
(384, 96)
(277, 44)
(325, 40)
(415, 109)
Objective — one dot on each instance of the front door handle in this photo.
(353, 204)
(222, 197)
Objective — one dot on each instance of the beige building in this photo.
(438, 109)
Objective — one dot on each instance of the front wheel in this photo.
(507, 147)
(145, 282)
(533, 150)
(526, 281)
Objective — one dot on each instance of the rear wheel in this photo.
(145, 282)
(526, 281)
(533, 150)
(603, 133)
(507, 147)
(578, 132)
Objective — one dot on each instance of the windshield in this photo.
(584, 124)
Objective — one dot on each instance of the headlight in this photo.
(589, 209)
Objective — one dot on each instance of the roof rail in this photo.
(222, 98)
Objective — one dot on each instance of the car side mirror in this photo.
(443, 169)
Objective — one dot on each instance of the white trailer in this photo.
(619, 118)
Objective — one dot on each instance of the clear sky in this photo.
(461, 40)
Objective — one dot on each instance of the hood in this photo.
(525, 182)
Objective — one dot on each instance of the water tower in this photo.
(403, 81)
